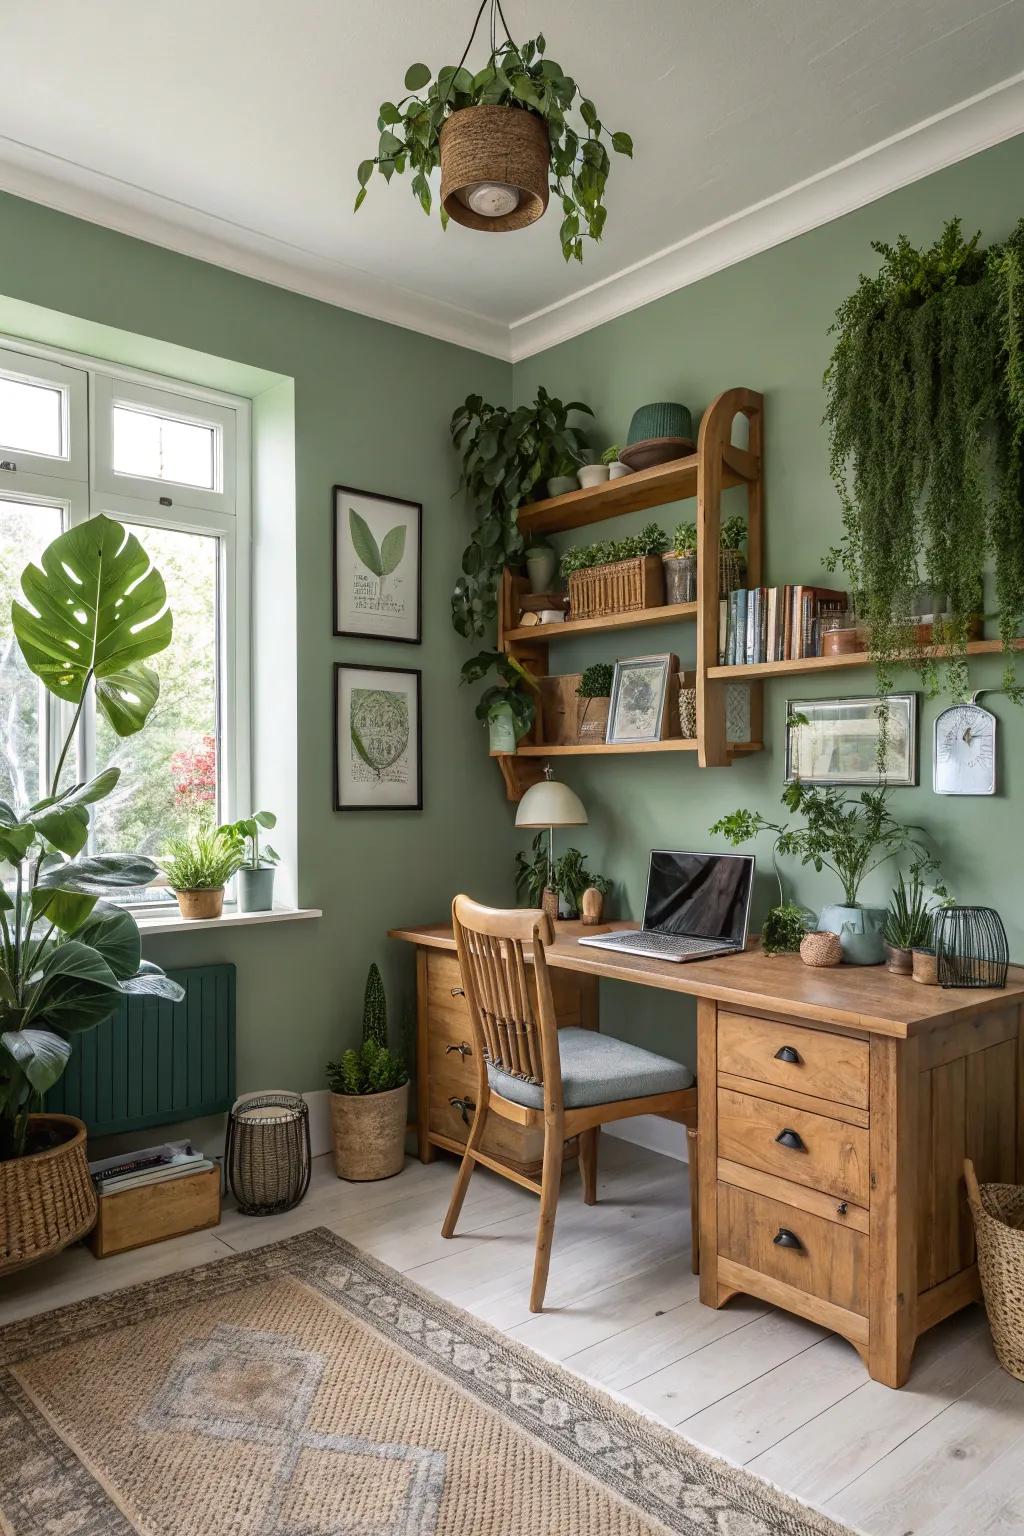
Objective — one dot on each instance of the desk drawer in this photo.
(817, 1256)
(826, 1066)
(452, 1101)
(817, 1151)
(446, 996)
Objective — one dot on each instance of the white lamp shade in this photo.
(550, 804)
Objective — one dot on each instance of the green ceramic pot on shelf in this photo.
(663, 418)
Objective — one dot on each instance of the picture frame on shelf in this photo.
(835, 741)
(639, 707)
(377, 565)
(378, 738)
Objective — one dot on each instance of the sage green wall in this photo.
(371, 405)
(763, 324)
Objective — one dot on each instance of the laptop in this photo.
(698, 905)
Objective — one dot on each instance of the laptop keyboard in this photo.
(665, 943)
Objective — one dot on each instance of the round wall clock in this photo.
(964, 759)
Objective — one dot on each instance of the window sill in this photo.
(173, 922)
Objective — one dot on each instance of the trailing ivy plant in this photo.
(506, 455)
(925, 417)
(518, 76)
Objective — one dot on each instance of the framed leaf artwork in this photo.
(378, 738)
(377, 558)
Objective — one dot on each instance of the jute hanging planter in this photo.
(498, 153)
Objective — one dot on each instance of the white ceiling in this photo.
(233, 129)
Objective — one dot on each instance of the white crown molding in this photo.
(964, 130)
(69, 188)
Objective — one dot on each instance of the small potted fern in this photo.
(369, 1097)
(199, 866)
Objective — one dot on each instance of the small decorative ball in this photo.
(821, 949)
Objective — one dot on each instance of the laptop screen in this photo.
(701, 895)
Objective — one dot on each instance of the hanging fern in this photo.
(924, 399)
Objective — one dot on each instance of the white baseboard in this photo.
(654, 1133)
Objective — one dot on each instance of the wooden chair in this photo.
(569, 1081)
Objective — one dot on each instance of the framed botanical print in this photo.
(835, 741)
(638, 710)
(378, 547)
(378, 738)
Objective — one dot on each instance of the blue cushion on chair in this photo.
(597, 1069)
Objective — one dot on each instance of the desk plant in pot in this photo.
(256, 872)
(369, 1097)
(95, 609)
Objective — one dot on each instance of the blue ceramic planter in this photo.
(860, 931)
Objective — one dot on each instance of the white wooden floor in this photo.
(942, 1457)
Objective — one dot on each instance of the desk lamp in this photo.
(550, 804)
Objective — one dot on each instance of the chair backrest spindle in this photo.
(507, 986)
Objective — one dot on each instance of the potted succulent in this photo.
(503, 137)
(681, 565)
(256, 872)
(369, 1097)
(541, 564)
(508, 707)
(198, 866)
(616, 468)
(849, 837)
(594, 689)
(95, 611)
(910, 925)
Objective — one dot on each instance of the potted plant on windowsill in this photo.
(369, 1097)
(256, 872)
(96, 610)
(508, 707)
(198, 867)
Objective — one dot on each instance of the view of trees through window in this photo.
(25, 530)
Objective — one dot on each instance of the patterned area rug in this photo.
(305, 1390)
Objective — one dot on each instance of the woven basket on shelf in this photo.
(507, 146)
(47, 1200)
(621, 587)
(998, 1212)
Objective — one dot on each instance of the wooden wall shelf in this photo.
(808, 665)
(675, 481)
(668, 613)
(624, 748)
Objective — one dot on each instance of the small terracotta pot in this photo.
(821, 949)
(592, 910)
(926, 967)
(195, 905)
(899, 961)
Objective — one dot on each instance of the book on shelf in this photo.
(759, 624)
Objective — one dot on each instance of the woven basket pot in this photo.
(47, 1200)
(495, 144)
(369, 1133)
(998, 1212)
(821, 949)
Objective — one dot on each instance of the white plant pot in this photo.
(616, 470)
(592, 474)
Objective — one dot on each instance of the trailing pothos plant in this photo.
(521, 77)
(95, 609)
(506, 454)
(925, 416)
(515, 689)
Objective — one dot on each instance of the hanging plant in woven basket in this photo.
(925, 416)
(504, 137)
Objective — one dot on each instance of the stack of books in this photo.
(151, 1165)
(773, 623)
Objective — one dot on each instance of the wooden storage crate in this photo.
(621, 587)
(132, 1218)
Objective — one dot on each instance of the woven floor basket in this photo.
(998, 1211)
(620, 587)
(504, 145)
(47, 1200)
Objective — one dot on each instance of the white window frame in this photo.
(72, 383)
(88, 486)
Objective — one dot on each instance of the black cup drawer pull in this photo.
(784, 1238)
(458, 992)
(463, 1106)
(464, 1049)
(787, 1053)
(791, 1139)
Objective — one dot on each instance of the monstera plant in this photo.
(94, 610)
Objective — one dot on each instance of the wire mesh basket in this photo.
(267, 1156)
(971, 947)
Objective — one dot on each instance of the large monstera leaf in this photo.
(97, 606)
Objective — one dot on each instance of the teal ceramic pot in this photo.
(665, 418)
(860, 931)
(256, 889)
(541, 565)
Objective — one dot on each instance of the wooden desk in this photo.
(878, 1087)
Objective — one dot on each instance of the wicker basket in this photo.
(47, 1200)
(821, 949)
(504, 145)
(621, 587)
(267, 1156)
(998, 1211)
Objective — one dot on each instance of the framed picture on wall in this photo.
(378, 738)
(835, 741)
(378, 547)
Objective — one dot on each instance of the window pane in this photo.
(25, 531)
(31, 417)
(161, 448)
(169, 769)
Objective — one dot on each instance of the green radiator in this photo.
(155, 1062)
